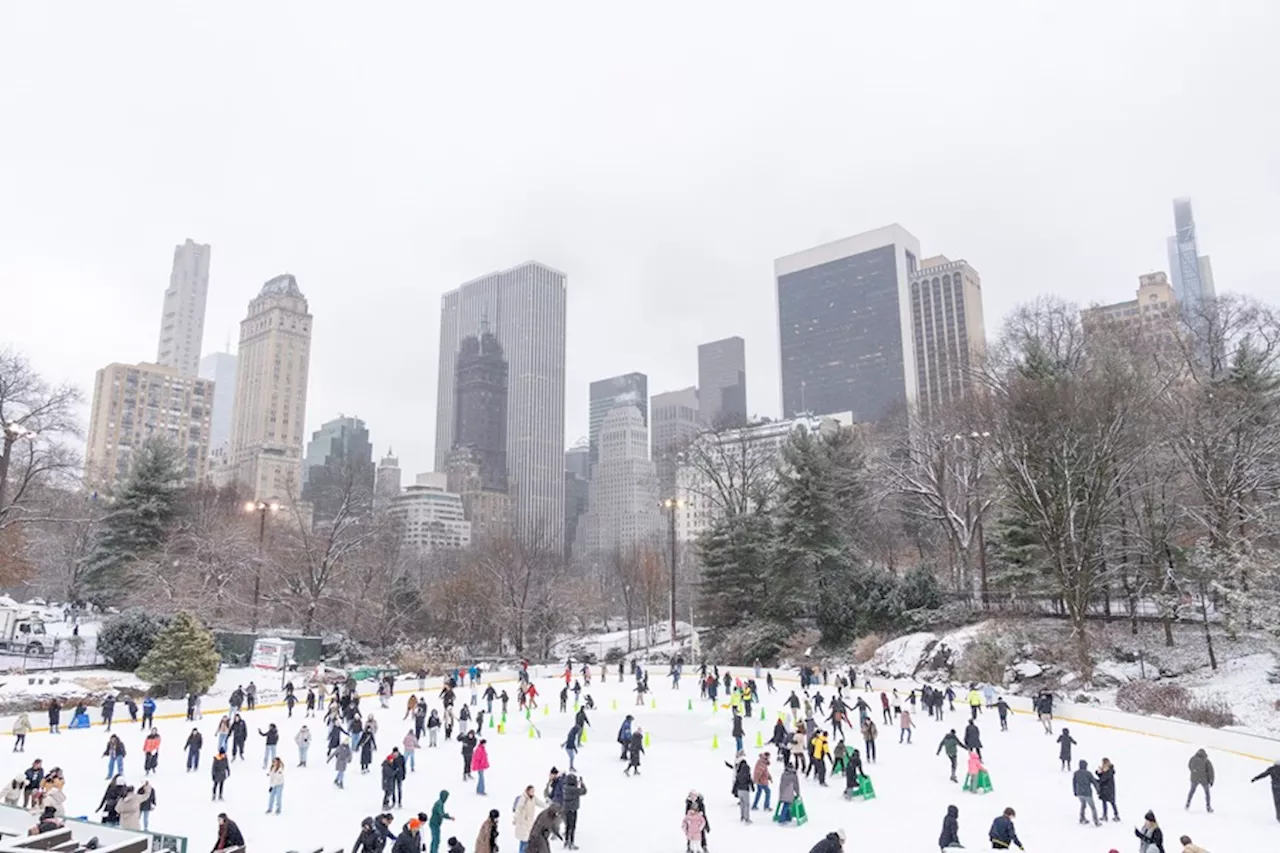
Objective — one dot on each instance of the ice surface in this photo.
(638, 815)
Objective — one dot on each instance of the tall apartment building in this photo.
(675, 422)
(623, 512)
(220, 367)
(947, 329)
(1156, 303)
(133, 402)
(386, 482)
(480, 406)
(429, 516)
(577, 472)
(722, 382)
(845, 326)
(338, 468)
(1190, 271)
(270, 410)
(605, 395)
(577, 459)
(182, 317)
(525, 307)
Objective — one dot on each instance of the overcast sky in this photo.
(662, 158)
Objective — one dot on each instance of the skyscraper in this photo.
(676, 422)
(844, 325)
(525, 307)
(629, 389)
(386, 483)
(480, 406)
(722, 382)
(947, 329)
(221, 368)
(182, 318)
(623, 511)
(338, 468)
(1190, 271)
(271, 391)
(134, 402)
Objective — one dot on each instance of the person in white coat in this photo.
(129, 807)
(526, 811)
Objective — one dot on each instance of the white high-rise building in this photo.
(182, 319)
(430, 517)
(271, 392)
(623, 512)
(221, 368)
(525, 308)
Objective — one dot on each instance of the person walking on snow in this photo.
(788, 793)
(905, 725)
(1106, 774)
(762, 779)
(742, 785)
(438, 817)
(574, 790)
(221, 770)
(951, 744)
(272, 734)
(1082, 785)
(1002, 708)
(633, 755)
(1274, 772)
(1201, 777)
(693, 826)
(195, 741)
(303, 741)
(479, 764)
(950, 836)
(973, 738)
(1002, 834)
(1150, 835)
(624, 736)
(1065, 742)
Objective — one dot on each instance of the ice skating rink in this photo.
(639, 815)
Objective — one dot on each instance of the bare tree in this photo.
(36, 420)
(521, 569)
(60, 546)
(730, 471)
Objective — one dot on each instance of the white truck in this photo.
(23, 631)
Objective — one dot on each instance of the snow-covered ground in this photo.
(638, 815)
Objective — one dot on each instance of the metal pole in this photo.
(673, 576)
(257, 567)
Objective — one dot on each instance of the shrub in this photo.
(985, 659)
(759, 640)
(183, 651)
(798, 643)
(1171, 700)
(614, 655)
(865, 647)
(125, 639)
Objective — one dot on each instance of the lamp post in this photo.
(262, 508)
(13, 431)
(671, 505)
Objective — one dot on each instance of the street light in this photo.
(671, 505)
(263, 509)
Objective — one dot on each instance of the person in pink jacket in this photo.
(975, 764)
(479, 764)
(693, 824)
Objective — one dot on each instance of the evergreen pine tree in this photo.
(184, 651)
(735, 561)
(140, 518)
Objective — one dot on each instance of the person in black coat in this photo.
(1002, 834)
(368, 743)
(852, 773)
(1106, 774)
(468, 741)
(239, 734)
(833, 843)
(1150, 834)
(973, 738)
(633, 756)
(221, 770)
(369, 840)
(1065, 742)
(229, 834)
(110, 799)
(950, 836)
(388, 782)
(1082, 785)
(1274, 772)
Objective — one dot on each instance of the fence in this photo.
(68, 653)
(1143, 609)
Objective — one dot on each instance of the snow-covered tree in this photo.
(184, 652)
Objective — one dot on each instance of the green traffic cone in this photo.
(759, 740)
(491, 723)
(690, 704)
(762, 714)
(715, 741)
(646, 740)
(546, 710)
(584, 735)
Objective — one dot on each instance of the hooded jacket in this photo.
(438, 814)
(526, 812)
(760, 774)
(1082, 783)
(950, 836)
(1107, 784)
(574, 791)
(788, 786)
(1201, 768)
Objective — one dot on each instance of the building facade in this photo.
(338, 468)
(676, 420)
(182, 316)
(134, 402)
(274, 357)
(1190, 272)
(623, 512)
(480, 406)
(844, 325)
(429, 517)
(386, 480)
(220, 367)
(947, 329)
(525, 307)
(722, 382)
(605, 395)
(1155, 303)
(491, 513)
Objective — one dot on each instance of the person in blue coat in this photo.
(624, 737)
(1002, 833)
(148, 711)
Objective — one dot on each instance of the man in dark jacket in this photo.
(34, 776)
(633, 755)
(950, 836)
(1082, 784)
(1274, 772)
(624, 736)
(369, 840)
(1201, 776)
(1002, 708)
(410, 838)
(228, 834)
(388, 782)
(574, 790)
(1002, 833)
(221, 770)
(950, 743)
(833, 843)
(972, 739)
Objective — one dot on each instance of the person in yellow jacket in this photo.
(975, 702)
(819, 750)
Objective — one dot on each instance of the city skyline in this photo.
(667, 229)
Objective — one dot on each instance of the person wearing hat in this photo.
(410, 838)
(1274, 772)
(742, 785)
(369, 840)
(455, 846)
(833, 843)
(487, 837)
(438, 817)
